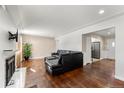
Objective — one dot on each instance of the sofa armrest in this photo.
(53, 64)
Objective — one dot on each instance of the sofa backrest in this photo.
(77, 58)
(71, 59)
(65, 51)
(62, 51)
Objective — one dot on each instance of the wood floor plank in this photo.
(96, 75)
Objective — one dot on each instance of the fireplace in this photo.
(10, 68)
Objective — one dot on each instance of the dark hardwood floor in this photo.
(95, 75)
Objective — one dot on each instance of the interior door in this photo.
(95, 50)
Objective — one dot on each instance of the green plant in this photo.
(27, 50)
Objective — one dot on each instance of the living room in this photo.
(56, 45)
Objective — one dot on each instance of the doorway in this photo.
(99, 45)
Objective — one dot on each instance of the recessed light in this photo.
(101, 11)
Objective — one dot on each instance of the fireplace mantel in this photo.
(8, 53)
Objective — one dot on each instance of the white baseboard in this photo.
(120, 78)
(102, 58)
(37, 57)
(85, 63)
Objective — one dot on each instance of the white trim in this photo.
(120, 78)
(37, 57)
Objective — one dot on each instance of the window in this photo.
(113, 44)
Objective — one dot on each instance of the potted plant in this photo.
(27, 51)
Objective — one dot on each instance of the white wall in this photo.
(87, 53)
(68, 41)
(71, 41)
(5, 26)
(111, 49)
(41, 46)
(109, 52)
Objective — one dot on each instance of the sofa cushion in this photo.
(52, 62)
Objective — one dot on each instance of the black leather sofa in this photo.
(58, 54)
(62, 61)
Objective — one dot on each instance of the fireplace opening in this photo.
(10, 68)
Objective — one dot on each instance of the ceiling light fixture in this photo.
(101, 11)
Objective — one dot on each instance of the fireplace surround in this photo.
(10, 68)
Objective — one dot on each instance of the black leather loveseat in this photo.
(64, 61)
